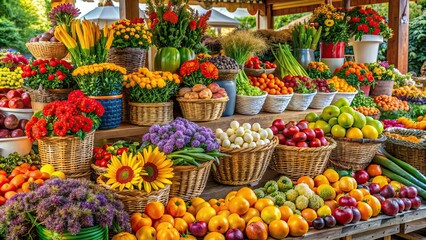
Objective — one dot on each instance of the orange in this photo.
(365, 210)
(218, 224)
(188, 217)
(252, 212)
(214, 236)
(205, 214)
(286, 212)
(374, 204)
(270, 214)
(357, 194)
(262, 203)
(332, 204)
(346, 184)
(306, 179)
(181, 225)
(331, 175)
(320, 179)
(247, 194)
(239, 205)
(256, 230)
(374, 170)
(309, 214)
(278, 229)
(235, 221)
(298, 225)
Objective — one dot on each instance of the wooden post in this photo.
(265, 21)
(398, 44)
(346, 4)
(129, 9)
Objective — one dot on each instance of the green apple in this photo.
(338, 131)
(347, 109)
(377, 125)
(311, 125)
(369, 119)
(329, 112)
(333, 121)
(323, 125)
(359, 120)
(341, 103)
(312, 117)
(345, 120)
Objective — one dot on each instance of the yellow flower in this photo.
(132, 33)
(125, 172)
(138, 28)
(118, 33)
(123, 30)
(126, 36)
(329, 22)
(128, 29)
(137, 36)
(140, 43)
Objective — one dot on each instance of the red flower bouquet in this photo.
(196, 72)
(367, 21)
(77, 116)
(355, 74)
(196, 28)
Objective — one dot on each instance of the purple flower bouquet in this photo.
(184, 142)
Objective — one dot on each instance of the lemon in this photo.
(47, 169)
(58, 174)
(370, 132)
(354, 133)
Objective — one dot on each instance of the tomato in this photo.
(374, 203)
(278, 229)
(124, 236)
(218, 205)
(103, 163)
(25, 166)
(45, 175)
(26, 187)
(167, 59)
(239, 205)
(18, 180)
(166, 218)
(181, 225)
(138, 220)
(2, 200)
(286, 212)
(188, 217)
(36, 174)
(365, 210)
(298, 225)
(374, 170)
(107, 156)
(248, 194)
(235, 221)
(98, 162)
(14, 173)
(309, 215)
(176, 207)
(97, 150)
(3, 172)
(3, 179)
(39, 182)
(262, 203)
(307, 180)
(251, 213)
(168, 234)
(33, 168)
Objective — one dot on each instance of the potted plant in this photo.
(65, 209)
(11, 69)
(131, 40)
(168, 24)
(65, 133)
(150, 96)
(47, 81)
(198, 72)
(103, 82)
(383, 73)
(355, 74)
(305, 40)
(367, 29)
(191, 43)
(333, 36)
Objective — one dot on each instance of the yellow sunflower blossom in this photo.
(329, 22)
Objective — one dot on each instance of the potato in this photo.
(205, 94)
(222, 92)
(214, 87)
(198, 87)
(217, 95)
(183, 91)
(187, 95)
(193, 95)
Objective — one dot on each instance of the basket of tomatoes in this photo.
(255, 67)
(279, 95)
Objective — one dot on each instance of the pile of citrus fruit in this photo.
(341, 85)
(388, 103)
(408, 123)
(270, 84)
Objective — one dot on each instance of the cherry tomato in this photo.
(3, 172)
(106, 146)
(98, 162)
(107, 156)
(97, 150)
(98, 156)
(121, 150)
(103, 163)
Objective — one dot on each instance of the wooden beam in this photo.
(346, 4)
(129, 9)
(398, 44)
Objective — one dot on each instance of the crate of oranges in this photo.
(278, 94)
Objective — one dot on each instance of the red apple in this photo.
(20, 90)
(2, 96)
(26, 99)
(281, 138)
(374, 188)
(403, 192)
(310, 133)
(287, 133)
(299, 137)
(12, 94)
(315, 143)
(362, 176)
(290, 142)
(302, 126)
(319, 132)
(387, 191)
(412, 192)
(347, 201)
(390, 207)
(274, 129)
(323, 141)
(343, 215)
(4, 102)
(302, 144)
(16, 103)
(289, 124)
(407, 203)
(415, 203)
(304, 121)
(279, 123)
(293, 130)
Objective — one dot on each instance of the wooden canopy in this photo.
(268, 9)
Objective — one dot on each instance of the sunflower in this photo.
(329, 22)
(124, 173)
(156, 169)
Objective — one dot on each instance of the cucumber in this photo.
(421, 192)
(407, 167)
(384, 162)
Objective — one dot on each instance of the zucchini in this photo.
(407, 167)
(385, 162)
(421, 192)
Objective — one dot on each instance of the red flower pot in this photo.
(365, 89)
(332, 50)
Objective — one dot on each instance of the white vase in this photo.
(366, 50)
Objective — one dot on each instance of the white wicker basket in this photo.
(249, 105)
(322, 100)
(301, 101)
(348, 95)
(277, 103)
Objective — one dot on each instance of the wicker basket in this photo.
(68, 154)
(412, 153)
(147, 114)
(202, 110)
(277, 103)
(98, 171)
(382, 88)
(322, 100)
(257, 72)
(189, 181)
(40, 98)
(136, 200)
(355, 154)
(245, 165)
(113, 106)
(348, 95)
(230, 74)
(47, 50)
(130, 58)
(295, 161)
(249, 105)
(301, 101)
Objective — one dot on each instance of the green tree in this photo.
(248, 22)
(10, 37)
(281, 21)
(417, 47)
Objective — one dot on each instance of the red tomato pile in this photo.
(255, 63)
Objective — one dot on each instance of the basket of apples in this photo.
(255, 67)
(302, 151)
(304, 92)
(17, 102)
(325, 94)
(249, 149)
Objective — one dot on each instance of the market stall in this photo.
(239, 145)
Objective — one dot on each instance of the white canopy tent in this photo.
(106, 15)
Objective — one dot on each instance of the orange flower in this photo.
(347, 73)
(209, 70)
(189, 67)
